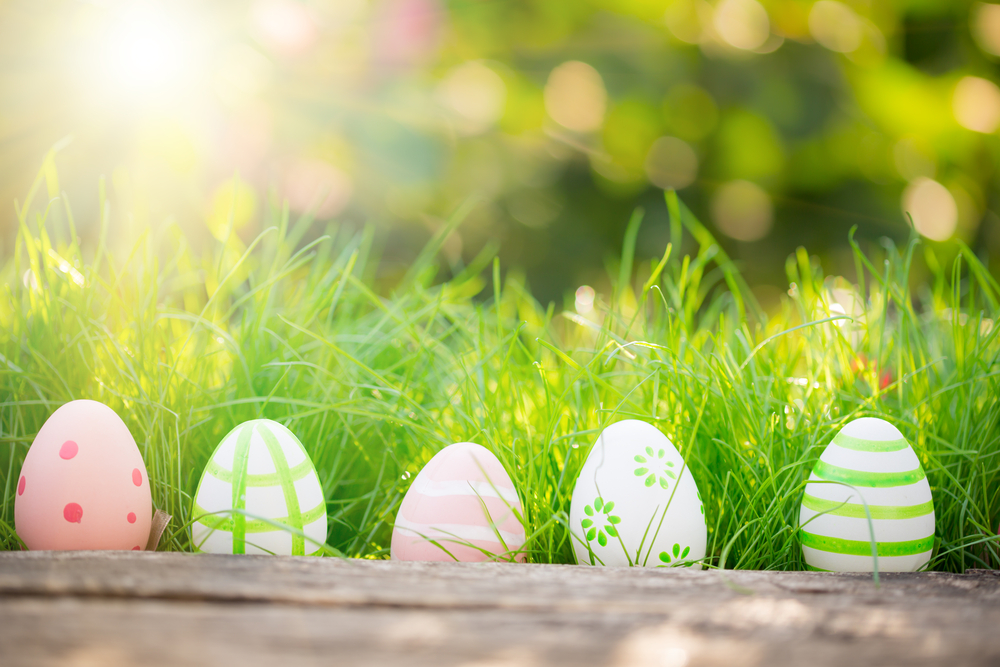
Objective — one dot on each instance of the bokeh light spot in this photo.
(976, 104)
(585, 296)
(575, 96)
(631, 127)
(933, 208)
(684, 19)
(742, 211)
(750, 146)
(691, 111)
(535, 207)
(742, 23)
(986, 27)
(671, 163)
(475, 94)
(835, 26)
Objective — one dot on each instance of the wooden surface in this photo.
(116, 608)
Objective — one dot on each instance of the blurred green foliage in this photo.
(561, 116)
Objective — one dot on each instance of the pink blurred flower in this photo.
(407, 32)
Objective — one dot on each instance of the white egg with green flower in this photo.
(636, 503)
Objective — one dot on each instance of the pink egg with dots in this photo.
(83, 484)
(461, 507)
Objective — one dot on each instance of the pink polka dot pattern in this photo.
(68, 450)
(131, 517)
(82, 463)
(73, 513)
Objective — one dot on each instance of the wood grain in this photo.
(117, 608)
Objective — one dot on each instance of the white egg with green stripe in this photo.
(868, 462)
(259, 494)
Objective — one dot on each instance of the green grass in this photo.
(184, 345)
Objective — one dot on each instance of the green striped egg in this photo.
(874, 458)
(261, 468)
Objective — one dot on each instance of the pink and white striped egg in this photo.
(445, 505)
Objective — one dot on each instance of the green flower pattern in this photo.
(655, 468)
(678, 557)
(600, 522)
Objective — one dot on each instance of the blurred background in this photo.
(780, 122)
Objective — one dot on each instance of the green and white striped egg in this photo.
(874, 458)
(261, 468)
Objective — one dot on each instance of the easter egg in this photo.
(262, 471)
(83, 484)
(870, 462)
(461, 506)
(636, 502)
